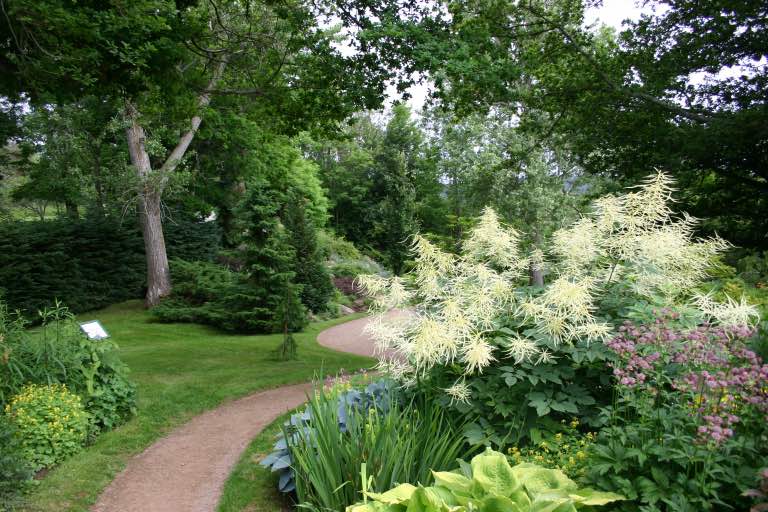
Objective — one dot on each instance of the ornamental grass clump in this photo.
(50, 421)
(474, 310)
(398, 442)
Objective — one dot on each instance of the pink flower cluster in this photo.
(710, 369)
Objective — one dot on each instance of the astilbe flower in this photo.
(721, 379)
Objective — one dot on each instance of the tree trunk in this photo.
(151, 185)
(535, 272)
(158, 272)
(150, 194)
(97, 182)
(71, 209)
(535, 276)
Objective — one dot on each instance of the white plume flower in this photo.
(731, 313)
(459, 392)
(490, 242)
(521, 349)
(477, 354)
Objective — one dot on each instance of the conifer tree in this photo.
(309, 268)
(270, 290)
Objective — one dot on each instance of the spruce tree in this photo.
(269, 295)
(310, 271)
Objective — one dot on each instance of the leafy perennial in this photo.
(489, 484)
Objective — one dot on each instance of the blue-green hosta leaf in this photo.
(494, 474)
(538, 480)
(591, 497)
(455, 482)
(400, 494)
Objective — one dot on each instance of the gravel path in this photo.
(186, 470)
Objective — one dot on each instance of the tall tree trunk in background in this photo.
(151, 185)
(535, 272)
(535, 276)
(71, 209)
(150, 209)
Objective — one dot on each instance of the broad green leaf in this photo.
(453, 481)
(375, 507)
(438, 496)
(494, 474)
(400, 494)
(552, 503)
(591, 497)
(430, 499)
(500, 504)
(538, 480)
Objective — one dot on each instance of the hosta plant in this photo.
(489, 484)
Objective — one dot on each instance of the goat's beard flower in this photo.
(459, 392)
(521, 349)
(731, 313)
(459, 302)
(476, 354)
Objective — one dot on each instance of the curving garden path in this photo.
(186, 470)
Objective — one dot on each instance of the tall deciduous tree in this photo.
(683, 89)
(166, 60)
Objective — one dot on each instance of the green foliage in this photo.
(58, 352)
(87, 264)
(270, 258)
(309, 269)
(567, 450)
(51, 421)
(396, 442)
(381, 183)
(15, 470)
(687, 428)
(514, 403)
(489, 484)
(208, 293)
(393, 192)
(565, 78)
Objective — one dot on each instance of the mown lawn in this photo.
(251, 487)
(181, 370)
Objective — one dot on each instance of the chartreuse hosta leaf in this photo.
(493, 486)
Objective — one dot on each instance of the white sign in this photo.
(94, 330)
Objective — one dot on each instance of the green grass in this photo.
(251, 487)
(181, 370)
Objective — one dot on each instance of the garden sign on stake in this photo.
(94, 330)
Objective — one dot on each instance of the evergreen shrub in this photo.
(207, 293)
(87, 264)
